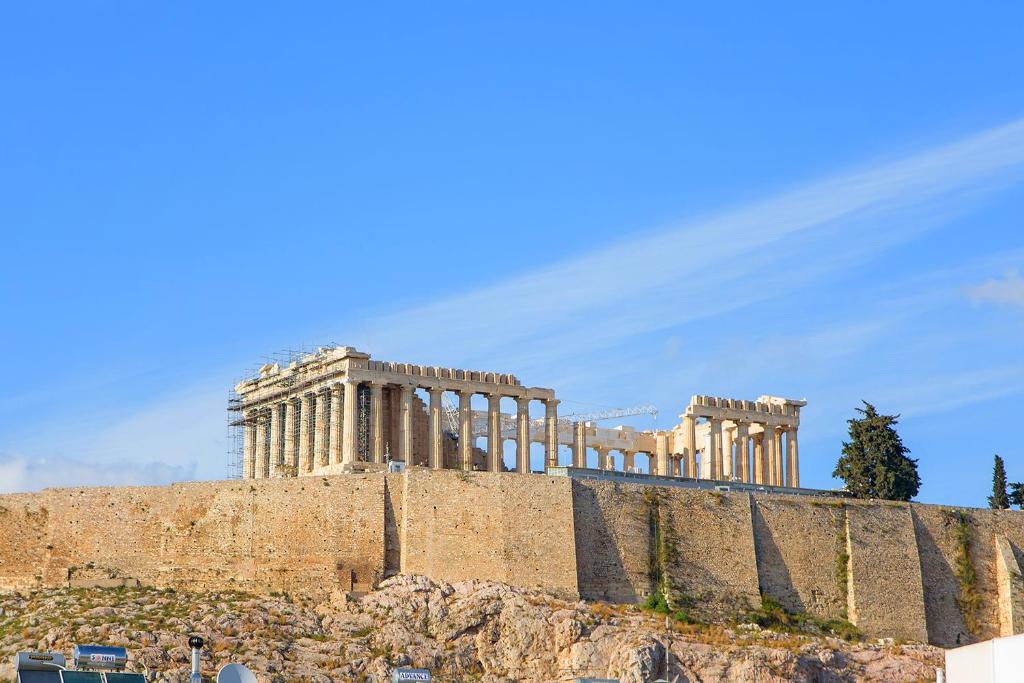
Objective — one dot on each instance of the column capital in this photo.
(551, 402)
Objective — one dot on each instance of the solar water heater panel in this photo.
(80, 677)
(39, 676)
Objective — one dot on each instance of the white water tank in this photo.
(1000, 660)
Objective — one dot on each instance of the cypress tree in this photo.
(874, 463)
(1016, 496)
(999, 500)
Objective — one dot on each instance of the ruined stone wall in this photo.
(890, 568)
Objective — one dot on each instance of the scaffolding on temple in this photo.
(236, 432)
(236, 422)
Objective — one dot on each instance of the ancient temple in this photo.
(337, 410)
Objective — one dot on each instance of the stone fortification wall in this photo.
(800, 548)
(279, 534)
(711, 556)
(886, 591)
(895, 570)
(518, 530)
(995, 539)
(23, 524)
(613, 541)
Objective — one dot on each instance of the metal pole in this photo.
(196, 643)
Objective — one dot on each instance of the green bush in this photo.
(656, 602)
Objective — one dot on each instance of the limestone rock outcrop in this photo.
(466, 631)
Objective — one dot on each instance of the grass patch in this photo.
(774, 617)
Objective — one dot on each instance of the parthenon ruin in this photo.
(336, 410)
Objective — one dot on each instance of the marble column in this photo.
(551, 433)
(377, 446)
(405, 442)
(305, 431)
(728, 461)
(712, 469)
(759, 459)
(777, 453)
(767, 448)
(743, 451)
(336, 422)
(249, 449)
(792, 459)
(436, 444)
(319, 442)
(690, 445)
(276, 446)
(466, 430)
(579, 444)
(495, 444)
(602, 458)
(661, 450)
(262, 456)
(627, 461)
(523, 435)
(350, 422)
(291, 456)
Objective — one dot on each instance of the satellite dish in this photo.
(235, 673)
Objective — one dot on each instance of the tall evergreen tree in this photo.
(1016, 496)
(874, 463)
(999, 500)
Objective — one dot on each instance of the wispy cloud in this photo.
(955, 390)
(176, 436)
(1007, 290)
(22, 473)
(606, 296)
(562, 324)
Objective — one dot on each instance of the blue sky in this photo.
(630, 203)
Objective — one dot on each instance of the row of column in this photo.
(495, 442)
(663, 462)
(327, 433)
(727, 456)
(772, 466)
(317, 428)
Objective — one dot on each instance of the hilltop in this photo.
(470, 631)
